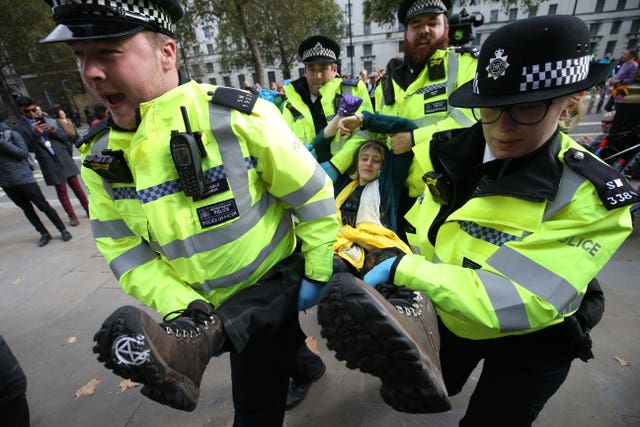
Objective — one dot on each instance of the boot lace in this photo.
(187, 323)
(405, 300)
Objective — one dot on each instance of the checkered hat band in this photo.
(554, 74)
(319, 50)
(421, 5)
(139, 10)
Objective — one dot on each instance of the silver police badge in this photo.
(498, 65)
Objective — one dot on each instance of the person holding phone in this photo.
(50, 148)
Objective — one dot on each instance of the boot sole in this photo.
(360, 331)
(122, 348)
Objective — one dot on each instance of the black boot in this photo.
(394, 338)
(44, 239)
(168, 358)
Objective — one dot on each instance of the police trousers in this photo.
(263, 337)
(519, 374)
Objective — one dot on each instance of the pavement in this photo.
(54, 298)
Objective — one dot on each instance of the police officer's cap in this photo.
(535, 59)
(104, 19)
(319, 49)
(410, 8)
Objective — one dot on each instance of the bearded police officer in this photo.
(193, 192)
(508, 202)
(417, 86)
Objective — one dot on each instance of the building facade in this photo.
(614, 25)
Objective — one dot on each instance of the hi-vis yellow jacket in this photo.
(298, 116)
(425, 102)
(167, 249)
(513, 255)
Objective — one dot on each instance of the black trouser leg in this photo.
(519, 374)
(41, 203)
(14, 410)
(264, 335)
(260, 376)
(308, 365)
(22, 195)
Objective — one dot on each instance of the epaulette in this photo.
(95, 130)
(472, 50)
(613, 188)
(294, 112)
(350, 82)
(234, 98)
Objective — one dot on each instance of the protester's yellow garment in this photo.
(367, 235)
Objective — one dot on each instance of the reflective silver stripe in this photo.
(506, 302)
(114, 229)
(131, 259)
(317, 210)
(284, 227)
(307, 191)
(452, 76)
(461, 118)
(426, 121)
(452, 72)
(231, 153)
(213, 239)
(570, 182)
(535, 278)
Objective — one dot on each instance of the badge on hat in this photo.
(497, 65)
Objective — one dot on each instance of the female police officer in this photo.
(516, 222)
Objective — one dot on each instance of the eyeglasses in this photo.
(29, 110)
(527, 114)
(606, 121)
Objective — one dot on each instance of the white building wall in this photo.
(374, 45)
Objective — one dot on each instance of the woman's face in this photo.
(507, 139)
(369, 165)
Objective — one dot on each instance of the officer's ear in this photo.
(169, 56)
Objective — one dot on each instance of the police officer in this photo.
(417, 86)
(314, 99)
(193, 190)
(509, 201)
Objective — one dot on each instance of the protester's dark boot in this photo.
(394, 337)
(168, 358)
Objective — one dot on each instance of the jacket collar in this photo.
(534, 177)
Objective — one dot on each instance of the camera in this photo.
(40, 120)
(462, 27)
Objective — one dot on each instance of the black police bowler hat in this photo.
(319, 49)
(104, 19)
(534, 59)
(410, 8)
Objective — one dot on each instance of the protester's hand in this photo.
(401, 142)
(348, 105)
(330, 170)
(309, 294)
(346, 125)
(380, 273)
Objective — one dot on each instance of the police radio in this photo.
(187, 151)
